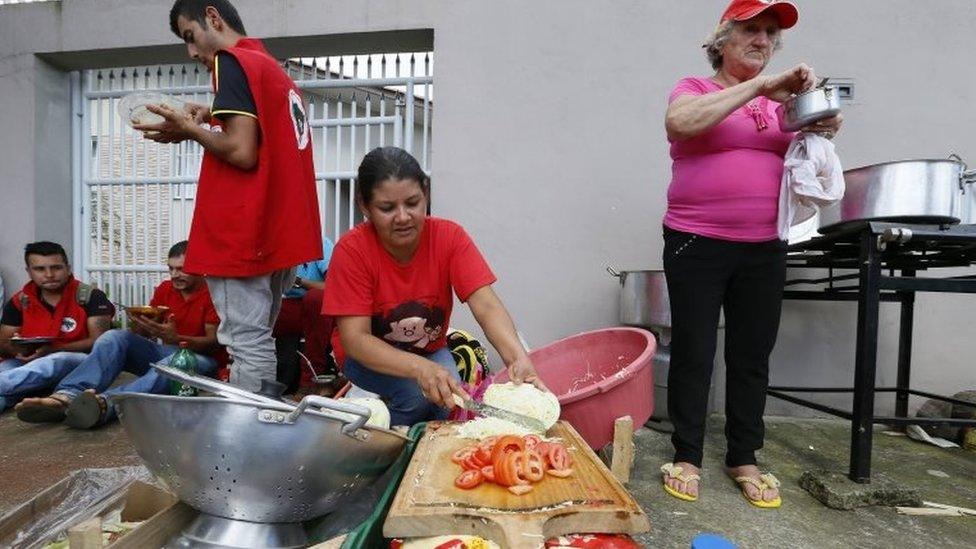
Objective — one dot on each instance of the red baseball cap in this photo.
(741, 10)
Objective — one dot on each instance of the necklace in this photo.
(756, 110)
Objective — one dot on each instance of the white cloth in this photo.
(812, 178)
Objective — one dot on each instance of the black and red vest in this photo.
(68, 322)
(252, 222)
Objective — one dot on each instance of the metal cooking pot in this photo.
(643, 298)
(909, 191)
(247, 457)
(808, 107)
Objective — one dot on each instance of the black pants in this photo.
(746, 279)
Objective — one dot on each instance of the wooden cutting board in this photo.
(428, 504)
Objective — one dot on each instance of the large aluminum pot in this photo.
(643, 298)
(909, 191)
(255, 459)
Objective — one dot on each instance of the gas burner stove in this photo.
(869, 263)
(900, 245)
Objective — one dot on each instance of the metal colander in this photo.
(257, 460)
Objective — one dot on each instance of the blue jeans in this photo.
(402, 395)
(19, 380)
(118, 351)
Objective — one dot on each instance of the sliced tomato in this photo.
(542, 448)
(461, 454)
(593, 541)
(471, 463)
(561, 473)
(506, 444)
(531, 441)
(483, 454)
(506, 470)
(488, 471)
(532, 466)
(558, 456)
(520, 489)
(452, 544)
(468, 479)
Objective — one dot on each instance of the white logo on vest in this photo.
(68, 325)
(299, 120)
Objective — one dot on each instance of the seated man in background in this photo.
(301, 317)
(54, 305)
(81, 398)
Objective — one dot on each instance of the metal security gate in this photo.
(134, 198)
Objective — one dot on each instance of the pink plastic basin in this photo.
(598, 377)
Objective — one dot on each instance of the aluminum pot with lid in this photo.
(909, 191)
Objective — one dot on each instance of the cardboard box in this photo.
(162, 515)
(59, 510)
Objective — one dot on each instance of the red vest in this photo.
(252, 222)
(68, 322)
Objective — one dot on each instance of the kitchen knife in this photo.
(530, 423)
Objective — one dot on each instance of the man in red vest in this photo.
(52, 305)
(257, 213)
(83, 398)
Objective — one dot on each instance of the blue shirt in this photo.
(313, 270)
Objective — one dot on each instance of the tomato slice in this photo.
(468, 479)
(561, 473)
(531, 441)
(542, 448)
(558, 456)
(506, 469)
(506, 444)
(483, 454)
(532, 466)
(471, 463)
(488, 471)
(452, 544)
(461, 454)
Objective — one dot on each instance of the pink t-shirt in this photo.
(725, 182)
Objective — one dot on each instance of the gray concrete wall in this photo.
(549, 143)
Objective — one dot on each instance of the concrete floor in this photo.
(793, 446)
(33, 457)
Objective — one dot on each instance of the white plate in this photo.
(132, 107)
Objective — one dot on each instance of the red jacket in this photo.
(252, 222)
(68, 322)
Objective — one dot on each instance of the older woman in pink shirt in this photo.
(721, 245)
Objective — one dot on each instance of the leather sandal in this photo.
(86, 411)
(672, 471)
(766, 481)
(43, 412)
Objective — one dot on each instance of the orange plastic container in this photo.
(598, 377)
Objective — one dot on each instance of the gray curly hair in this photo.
(720, 36)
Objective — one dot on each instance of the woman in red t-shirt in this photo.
(390, 286)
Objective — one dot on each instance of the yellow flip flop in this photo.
(765, 482)
(675, 472)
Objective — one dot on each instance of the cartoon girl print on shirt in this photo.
(410, 325)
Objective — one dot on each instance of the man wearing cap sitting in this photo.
(53, 305)
(81, 399)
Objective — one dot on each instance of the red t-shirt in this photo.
(410, 304)
(190, 313)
